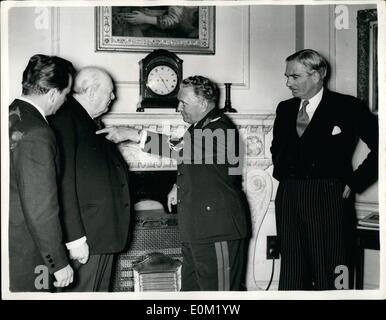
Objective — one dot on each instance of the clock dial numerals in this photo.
(162, 80)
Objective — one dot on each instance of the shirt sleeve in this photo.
(76, 243)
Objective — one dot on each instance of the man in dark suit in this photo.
(94, 190)
(314, 137)
(213, 213)
(35, 237)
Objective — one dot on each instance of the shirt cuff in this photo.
(142, 139)
(76, 243)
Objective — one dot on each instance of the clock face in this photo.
(162, 80)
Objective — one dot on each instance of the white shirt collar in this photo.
(313, 103)
(35, 106)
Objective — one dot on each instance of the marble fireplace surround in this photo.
(256, 132)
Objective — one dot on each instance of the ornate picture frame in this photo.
(367, 77)
(179, 29)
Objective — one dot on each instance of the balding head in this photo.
(93, 88)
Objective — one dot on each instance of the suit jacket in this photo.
(324, 154)
(35, 235)
(211, 204)
(94, 193)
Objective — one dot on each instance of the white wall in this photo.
(27, 36)
(250, 52)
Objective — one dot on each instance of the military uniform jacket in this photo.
(211, 204)
(94, 191)
(35, 236)
(326, 148)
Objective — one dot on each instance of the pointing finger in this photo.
(104, 130)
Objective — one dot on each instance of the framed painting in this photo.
(180, 29)
(367, 86)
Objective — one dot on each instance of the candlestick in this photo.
(228, 102)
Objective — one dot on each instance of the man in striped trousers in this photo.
(314, 137)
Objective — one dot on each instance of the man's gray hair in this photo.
(202, 87)
(88, 77)
(312, 60)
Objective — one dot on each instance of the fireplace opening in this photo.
(153, 231)
(151, 185)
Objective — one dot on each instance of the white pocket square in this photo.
(336, 130)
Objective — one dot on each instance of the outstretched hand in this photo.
(120, 133)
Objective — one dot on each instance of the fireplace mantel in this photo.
(256, 133)
(255, 129)
(177, 115)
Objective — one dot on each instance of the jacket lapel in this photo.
(293, 112)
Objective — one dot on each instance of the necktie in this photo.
(303, 118)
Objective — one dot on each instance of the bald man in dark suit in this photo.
(94, 190)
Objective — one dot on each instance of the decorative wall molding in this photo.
(55, 31)
(245, 67)
(126, 84)
(246, 50)
(299, 16)
(244, 84)
(332, 47)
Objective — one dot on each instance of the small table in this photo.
(367, 238)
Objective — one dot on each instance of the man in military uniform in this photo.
(212, 209)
